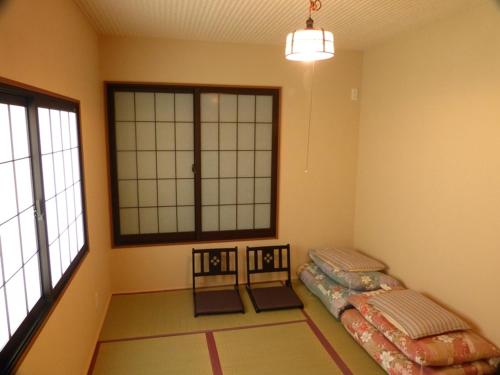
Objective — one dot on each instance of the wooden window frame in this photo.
(197, 235)
(31, 97)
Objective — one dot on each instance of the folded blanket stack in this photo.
(407, 333)
(335, 274)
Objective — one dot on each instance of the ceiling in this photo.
(357, 24)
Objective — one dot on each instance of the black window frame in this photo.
(120, 240)
(13, 92)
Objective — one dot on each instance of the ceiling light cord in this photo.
(306, 170)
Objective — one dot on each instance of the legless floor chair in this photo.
(271, 259)
(216, 262)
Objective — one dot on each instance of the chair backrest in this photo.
(214, 262)
(264, 259)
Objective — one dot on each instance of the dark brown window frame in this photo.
(197, 235)
(31, 97)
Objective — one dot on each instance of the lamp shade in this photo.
(309, 45)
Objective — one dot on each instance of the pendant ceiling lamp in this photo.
(310, 44)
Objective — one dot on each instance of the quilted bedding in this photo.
(445, 349)
(392, 360)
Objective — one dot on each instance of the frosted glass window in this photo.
(185, 192)
(166, 164)
(65, 130)
(32, 274)
(227, 163)
(185, 217)
(11, 248)
(209, 191)
(129, 220)
(209, 107)
(246, 108)
(7, 192)
(127, 167)
(228, 136)
(128, 193)
(19, 127)
(68, 168)
(246, 136)
(228, 108)
(144, 106)
(59, 171)
(164, 107)
(28, 230)
(76, 164)
(146, 135)
(245, 216)
(184, 136)
(167, 193)
(146, 164)
(227, 217)
(245, 163)
(124, 106)
(263, 136)
(4, 328)
(44, 126)
(51, 215)
(16, 300)
(48, 173)
(165, 136)
(228, 191)
(147, 193)
(64, 248)
(148, 220)
(209, 136)
(264, 109)
(55, 128)
(184, 107)
(5, 146)
(62, 213)
(262, 216)
(210, 218)
(55, 263)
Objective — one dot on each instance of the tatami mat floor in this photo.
(156, 333)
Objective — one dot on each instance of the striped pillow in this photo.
(417, 315)
(349, 260)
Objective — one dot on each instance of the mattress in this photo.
(392, 360)
(332, 295)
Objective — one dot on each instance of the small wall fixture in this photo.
(310, 44)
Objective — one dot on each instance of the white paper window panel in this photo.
(146, 164)
(209, 136)
(5, 139)
(227, 217)
(168, 219)
(4, 328)
(148, 220)
(48, 176)
(28, 230)
(59, 171)
(23, 183)
(209, 191)
(73, 129)
(79, 231)
(166, 164)
(70, 199)
(146, 135)
(16, 300)
(64, 248)
(51, 215)
(185, 217)
(185, 192)
(164, 106)
(19, 128)
(245, 163)
(228, 136)
(32, 275)
(209, 164)
(166, 193)
(245, 217)
(78, 198)
(264, 136)
(62, 213)
(147, 193)
(263, 190)
(44, 130)
(127, 193)
(73, 242)
(76, 164)
(124, 106)
(246, 134)
(245, 190)
(227, 163)
(210, 218)
(264, 105)
(55, 263)
(246, 108)
(184, 164)
(129, 221)
(228, 107)
(66, 137)
(262, 216)
(11, 247)
(184, 107)
(184, 136)
(263, 163)
(228, 191)
(144, 106)
(68, 168)
(125, 136)
(165, 136)
(55, 128)
(209, 107)
(7, 192)
(127, 167)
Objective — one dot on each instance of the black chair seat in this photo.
(217, 302)
(274, 298)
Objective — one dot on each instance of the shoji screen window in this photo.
(192, 163)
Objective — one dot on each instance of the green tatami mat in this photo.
(166, 355)
(287, 349)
